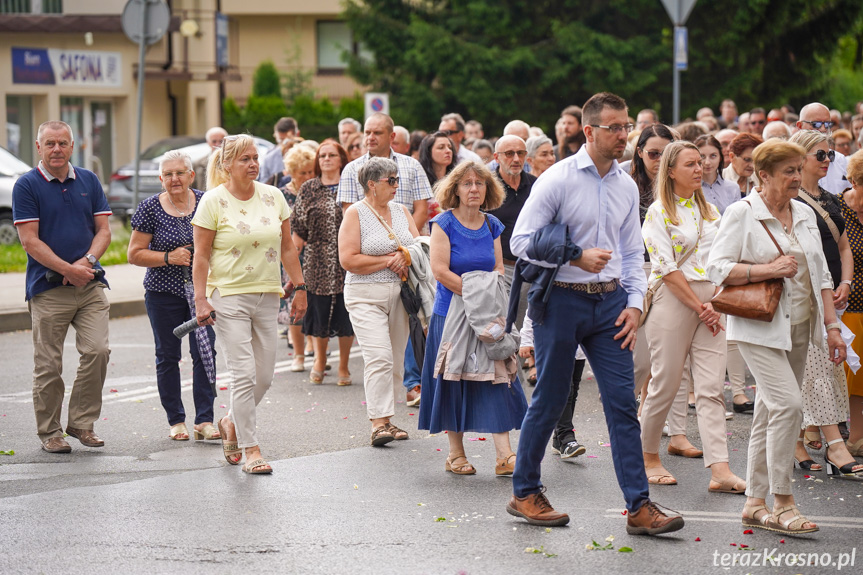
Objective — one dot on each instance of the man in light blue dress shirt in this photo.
(596, 302)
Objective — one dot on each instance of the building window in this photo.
(31, 6)
(334, 38)
(20, 134)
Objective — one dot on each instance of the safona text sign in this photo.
(66, 67)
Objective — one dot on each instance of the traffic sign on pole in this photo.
(377, 102)
(681, 48)
(679, 10)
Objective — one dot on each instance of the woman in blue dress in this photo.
(465, 239)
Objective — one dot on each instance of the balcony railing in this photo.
(31, 6)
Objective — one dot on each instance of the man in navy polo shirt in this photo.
(61, 214)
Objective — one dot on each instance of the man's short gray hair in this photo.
(376, 169)
(54, 125)
(357, 126)
(172, 155)
(533, 144)
(401, 130)
(516, 128)
(776, 129)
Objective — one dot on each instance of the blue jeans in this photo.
(412, 370)
(166, 311)
(574, 319)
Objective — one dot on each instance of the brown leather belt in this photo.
(599, 287)
(509, 262)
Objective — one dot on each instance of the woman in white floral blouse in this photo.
(679, 230)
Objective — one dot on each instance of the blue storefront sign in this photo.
(66, 67)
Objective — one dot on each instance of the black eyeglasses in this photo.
(821, 155)
(819, 125)
(392, 180)
(354, 147)
(450, 132)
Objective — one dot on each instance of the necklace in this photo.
(814, 197)
(770, 209)
(179, 211)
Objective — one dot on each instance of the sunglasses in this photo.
(510, 153)
(819, 125)
(354, 147)
(821, 155)
(392, 180)
(226, 140)
(450, 132)
(653, 154)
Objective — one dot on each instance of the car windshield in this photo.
(169, 144)
(10, 165)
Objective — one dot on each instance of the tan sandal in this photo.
(381, 436)
(343, 381)
(505, 466)
(792, 526)
(179, 432)
(728, 485)
(813, 439)
(459, 469)
(257, 467)
(316, 377)
(755, 521)
(208, 432)
(233, 453)
(659, 477)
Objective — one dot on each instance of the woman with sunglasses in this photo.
(825, 389)
(373, 238)
(242, 232)
(643, 169)
(354, 146)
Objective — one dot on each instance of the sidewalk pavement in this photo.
(126, 296)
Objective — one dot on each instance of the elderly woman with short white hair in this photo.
(540, 154)
(161, 241)
(373, 240)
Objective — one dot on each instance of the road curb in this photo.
(20, 320)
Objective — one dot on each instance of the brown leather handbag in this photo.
(755, 300)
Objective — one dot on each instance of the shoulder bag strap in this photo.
(384, 222)
(821, 212)
(766, 229)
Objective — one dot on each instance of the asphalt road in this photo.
(145, 504)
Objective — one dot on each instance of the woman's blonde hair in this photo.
(773, 152)
(808, 139)
(446, 190)
(665, 185)
(221, 160)
(297, 157)
(855, 167)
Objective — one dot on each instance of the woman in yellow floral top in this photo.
(242, 232)
(679, 230)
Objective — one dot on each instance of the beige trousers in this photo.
(381, 326)
(246, 329)
(736, 369)
(641, 358)
(674, 332)
(778, 412)
(52, 312)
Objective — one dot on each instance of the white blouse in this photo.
(667, 243)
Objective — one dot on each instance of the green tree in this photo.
(527, 59)
(266, 80)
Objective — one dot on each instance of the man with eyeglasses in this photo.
(61, 214)
(274, 162)
(510, 152)
(816, 116)
(413, 191)
(595, 302)
(453, 126)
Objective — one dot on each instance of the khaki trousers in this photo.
(381, 326)
(52, 312)
(246, 329)
(674, 332)
(778, 412)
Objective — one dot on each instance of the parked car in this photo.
(121, 188)
(10, 169)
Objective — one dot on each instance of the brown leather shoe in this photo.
(85, 436)
(691, 452)
(537, 510)
(56, 445)
(413, 397)
(649, 520)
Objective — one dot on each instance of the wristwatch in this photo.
(301, 287)
(91, 258)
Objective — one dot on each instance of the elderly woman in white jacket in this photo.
(775, 351)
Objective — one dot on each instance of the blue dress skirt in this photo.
(477, 406)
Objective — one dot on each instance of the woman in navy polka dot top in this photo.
(161, 232)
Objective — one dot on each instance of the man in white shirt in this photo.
(816, 116)
(453, 126)
(595, 302)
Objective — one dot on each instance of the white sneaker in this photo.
(665, 432)
(298, 365)
(729, 415)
